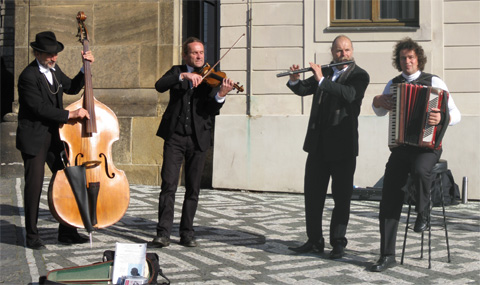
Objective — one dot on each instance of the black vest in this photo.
(184, 125)
(423, 79)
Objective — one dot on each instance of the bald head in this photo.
(341, 38)
(342, 49)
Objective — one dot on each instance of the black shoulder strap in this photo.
(398, 79)
(446, 120)
(153, 259)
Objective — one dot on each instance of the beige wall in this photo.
(134, 43)
(462, 73)
(287, 32)
(261, 151)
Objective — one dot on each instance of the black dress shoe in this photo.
(309, 246)
(385, 261)
(161, 241)
(337, 252)
(188, 241)
(421, 222)
(72, 238)
(36, 244)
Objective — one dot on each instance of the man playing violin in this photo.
(186, 128)
(40, 95)
(331, 143)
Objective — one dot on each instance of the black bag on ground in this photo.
(449, 190)
(152, 258)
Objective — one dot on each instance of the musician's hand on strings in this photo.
(296, 76)
(383, 101)
(434, 117)
(88, 56)
(196, 79)
(317, 71)
(227, 86)
(78, 114)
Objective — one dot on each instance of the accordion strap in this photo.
(446, 120)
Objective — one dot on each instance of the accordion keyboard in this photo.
(393, 119)
(432, 103)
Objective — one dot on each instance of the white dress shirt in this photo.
(46, 71)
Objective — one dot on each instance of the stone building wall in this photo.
(134, 43)
(7, 33)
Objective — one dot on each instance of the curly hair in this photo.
(409, 44)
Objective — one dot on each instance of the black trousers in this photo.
(34, 173)
(317, 177)
(175, 150)
(404, 160)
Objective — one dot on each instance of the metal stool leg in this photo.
(445, 221)
(446, 232)
(429, 240)
(406, 230)
(423, 234)
(421, 247)
(438, 177)
(429, 220)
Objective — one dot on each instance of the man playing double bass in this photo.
(40, 95)
(186, 128)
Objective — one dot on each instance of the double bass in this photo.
(88, 146)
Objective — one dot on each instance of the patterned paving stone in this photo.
(244, 239)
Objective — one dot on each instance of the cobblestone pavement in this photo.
(244, 239)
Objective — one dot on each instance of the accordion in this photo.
(408, 118)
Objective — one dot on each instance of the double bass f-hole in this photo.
(111, 176)
(87, 164)
(94, 163)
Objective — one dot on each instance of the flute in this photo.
(301, 70)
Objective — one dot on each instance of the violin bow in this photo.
(210, 70)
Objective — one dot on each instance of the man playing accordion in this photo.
(409, 58)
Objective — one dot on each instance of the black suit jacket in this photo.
(333, 124)
(205, 107)
(38, 111)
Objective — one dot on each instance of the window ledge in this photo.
(372, 29)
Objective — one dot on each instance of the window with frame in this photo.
(358, 13)
(201, 19)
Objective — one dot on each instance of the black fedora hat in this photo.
(46, 42)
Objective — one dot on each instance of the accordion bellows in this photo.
(408, 118)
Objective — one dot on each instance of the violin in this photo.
(214, 78)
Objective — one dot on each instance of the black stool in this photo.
(440, 167)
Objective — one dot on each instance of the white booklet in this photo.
(129, 260)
